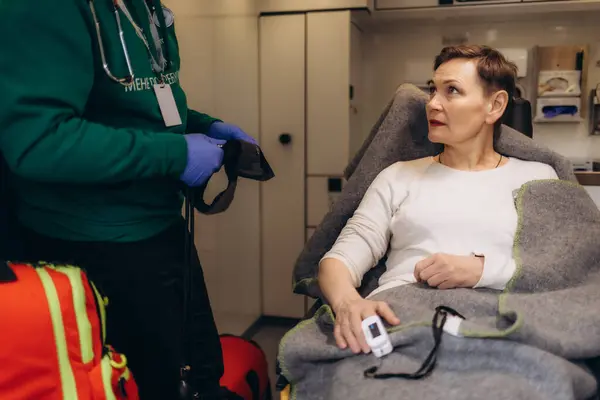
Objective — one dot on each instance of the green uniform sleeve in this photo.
(47, 74)
(198, 122)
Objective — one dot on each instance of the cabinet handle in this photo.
(285, 138)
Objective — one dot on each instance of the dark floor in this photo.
(268, 337)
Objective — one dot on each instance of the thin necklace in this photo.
(440, 160)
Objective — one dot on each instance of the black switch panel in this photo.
(334, 185)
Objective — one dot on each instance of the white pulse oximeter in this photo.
(376, 336)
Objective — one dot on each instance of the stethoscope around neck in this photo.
(157, 65)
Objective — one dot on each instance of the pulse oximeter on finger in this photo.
(376, 336)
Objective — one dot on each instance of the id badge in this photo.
(168, 107)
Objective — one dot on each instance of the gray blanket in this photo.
(524, 343)
(515, 345)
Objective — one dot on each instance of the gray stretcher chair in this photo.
(407, 110)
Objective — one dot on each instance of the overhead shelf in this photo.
(483, 10)
(266, 7)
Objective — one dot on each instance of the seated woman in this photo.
(448, 221)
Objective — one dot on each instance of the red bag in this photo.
(246, 369)
(52, 330)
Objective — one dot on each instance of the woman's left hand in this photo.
(446, 271)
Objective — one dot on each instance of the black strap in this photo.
(439, 320)
(189, 248)
(241, 160)
(186, 331)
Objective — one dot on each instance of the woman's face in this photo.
(459, 108)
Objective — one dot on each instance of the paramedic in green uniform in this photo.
(99, 140)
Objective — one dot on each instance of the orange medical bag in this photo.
(53, 331)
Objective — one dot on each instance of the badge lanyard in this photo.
(163, 91)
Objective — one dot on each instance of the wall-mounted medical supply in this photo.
(559, 83)
(558, 109)
(561, 80)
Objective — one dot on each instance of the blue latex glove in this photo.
(225, 131)
(204, 158)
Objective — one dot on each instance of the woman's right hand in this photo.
(348, 323)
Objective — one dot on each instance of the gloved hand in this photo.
(204, 158)
(222, 130)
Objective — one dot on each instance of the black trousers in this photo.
(144, 283)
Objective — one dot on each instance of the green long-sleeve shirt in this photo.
(92, 159)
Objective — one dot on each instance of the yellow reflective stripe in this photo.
(67, 377)
(106, 378)
(101, 307)
(84, 326)
(119, 365)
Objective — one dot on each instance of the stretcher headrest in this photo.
(518, 116)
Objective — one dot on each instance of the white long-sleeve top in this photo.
(418, 208)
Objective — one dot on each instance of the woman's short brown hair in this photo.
(496, 72)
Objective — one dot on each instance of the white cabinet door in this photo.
(357, 135)
(282, 99)
(328, 92)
